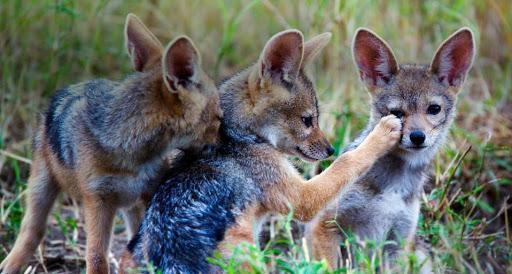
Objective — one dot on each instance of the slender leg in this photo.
(133, 217)
(325, 243)
(127, 263)
(420, 249)
(240, 233)
(308, 198)
(99, 219)
(41, 194)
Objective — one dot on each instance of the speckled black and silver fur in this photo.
(384, 205)
(190, 213)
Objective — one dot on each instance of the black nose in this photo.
(330, 150)
(417, 137)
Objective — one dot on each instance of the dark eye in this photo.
(433, 109)
(308, 121)
(398, 113)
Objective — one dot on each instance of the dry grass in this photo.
(466, 216)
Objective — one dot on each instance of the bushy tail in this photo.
(134, 260)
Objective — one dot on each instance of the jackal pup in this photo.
(384, 204)
(270, 112)
(104, 142)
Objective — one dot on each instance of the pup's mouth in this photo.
(416, 148)
(305, 156)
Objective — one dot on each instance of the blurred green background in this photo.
(46, 44)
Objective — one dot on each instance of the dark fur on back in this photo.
(194, 207)
(60, 109)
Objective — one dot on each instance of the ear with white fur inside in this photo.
(374, 59)
(181, 63)
(454, 58)
(282, 56)
(143, 47)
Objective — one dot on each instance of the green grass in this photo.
(466, 215)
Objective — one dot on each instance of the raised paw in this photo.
(387, 132)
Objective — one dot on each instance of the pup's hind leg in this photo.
(324, 242)
(421, 251)
(99, 219)
(133, 217)
(241, 232)
(41, 194)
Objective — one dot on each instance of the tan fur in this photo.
(321, 241)
(127, 264)
(242, 232)
(307, 198)
(256, 93)
(33, 226)
(192, 120)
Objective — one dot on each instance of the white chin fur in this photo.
(270, 134)
(419, 157)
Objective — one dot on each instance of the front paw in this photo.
(387, 133)
(8, 267)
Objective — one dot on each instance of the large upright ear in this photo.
(181, 63)
(314, 46)
(143, 47)
(374, 59)
(282, 56)
(453, 58)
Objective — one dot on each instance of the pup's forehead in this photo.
(304, 96)
(411, 88)
(416, 81)
(304, 103)
(397, 100)
(413, 79)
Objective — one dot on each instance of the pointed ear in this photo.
(181, 63)
(314, 46)
(282, 56)
(143, 47)
(374, 59)
(454, 58)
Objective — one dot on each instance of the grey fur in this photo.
(384, 205)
